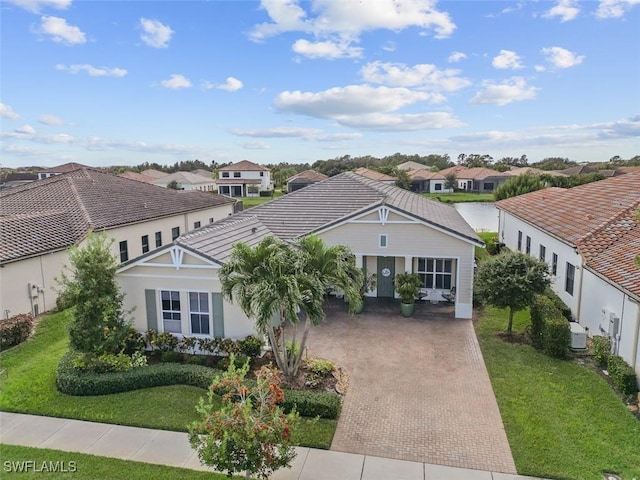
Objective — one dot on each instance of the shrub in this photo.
(170, 357)
(138, 359)
(601, 350)
(491, 246)
(15, 330)
(560, 305)
(556, 337)
(320, 366)
(266, 193)
(106, 362)
(65, 300)
(165, 342)
(312, 404)
(238, 361)
(134, 342)
(622, 375)
(196, 360)
(541, 309)
(251, 346)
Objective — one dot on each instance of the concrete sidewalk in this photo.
(173, 449)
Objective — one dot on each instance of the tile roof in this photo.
(307, 176)
(87, 199)
(244, 166)
(411, 165)
(423, 174)
(373, 175)
(534, 171)
(596, 218)
(320, 205)
(64, 168)
(150, 172)
(183, 178)
(479, 173)
(139, 177)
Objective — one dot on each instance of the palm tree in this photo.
(276, 281)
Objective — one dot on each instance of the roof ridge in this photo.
(630, 209)
(81, 205)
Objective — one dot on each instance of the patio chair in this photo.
(450, 297)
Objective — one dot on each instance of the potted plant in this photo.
(368, 284)
(408, 287)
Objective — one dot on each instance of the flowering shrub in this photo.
(15, 330)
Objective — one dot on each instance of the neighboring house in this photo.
(203, 172)
(479, 180)
(411, 165)
(585, 169)
(304, 179)
(139, 177)
(590, 236)
(177, 289)
(59, 170)
(41, 220)
(426, 181)
(244, 179)
(533, 171)
(16, 179)
(187, 181)
(150, 172)
(377, 176)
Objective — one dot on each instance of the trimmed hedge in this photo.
(73, 382)
(541, 309)
(601, 350)
(556, 337)
(560, 305)
(622, 375)
(15, 330)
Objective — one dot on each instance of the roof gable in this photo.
(244, 166)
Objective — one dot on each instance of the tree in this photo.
(511, 280)
(475, 160)
(99, 324)
(174, 185)
(451, 181)
(249, 432)
(554, 163)
(518, 185)
(403, 180)
(280, 284)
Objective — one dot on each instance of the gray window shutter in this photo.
(218, 315)
(152, 310)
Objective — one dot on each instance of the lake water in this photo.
(483, 217)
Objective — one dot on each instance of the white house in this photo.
(244, 179)
(590, 236)
(187, 181)
(41, 220)
(390, 230)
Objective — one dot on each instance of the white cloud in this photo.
(389, 46)
(614, 8)
(562, 58)
(35, 6)
(155, 34)
(401, 122)
(25, 130)
(255, 145)
(349, 100)
(7, 112)
(565, 9)
(51, 120)
(276, 132)
(328, 49)
(60, 31)
(421, 75)
(456, 57)
(509, 91)
(337, 137)
(507, 59)
(176, 81)
(230, 85)
(92, 71)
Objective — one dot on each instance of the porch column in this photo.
(359, 261)
(408, 264)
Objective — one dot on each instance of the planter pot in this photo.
(406, 309)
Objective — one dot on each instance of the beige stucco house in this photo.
(41, 220)
(176, 287)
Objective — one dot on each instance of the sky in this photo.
(126, 82)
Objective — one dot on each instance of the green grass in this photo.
(561, 418)
(460, 197)
(481, 253)
(90, 467)
(28, 386)
(249, 202)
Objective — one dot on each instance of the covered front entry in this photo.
(386, 274)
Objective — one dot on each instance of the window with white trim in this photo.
(543, 253)
(199, 314)
(383, 240)
(196, 224)
(570, 278)
(175, 233)
(519, 241)
(554, 264)
(145, 243)
(124, 251)
(225, 174)
(436, 273)
(528, 245)
(171, 313)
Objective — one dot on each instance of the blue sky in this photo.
(103, 83)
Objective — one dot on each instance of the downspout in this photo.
(634, 350)
(44, 302)
(578, 310)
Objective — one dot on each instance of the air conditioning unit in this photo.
(578, 336)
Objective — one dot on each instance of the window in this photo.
(211, 220)
(158, 239)
(171, 317)
(528, 247)
(554, 264)
(199, 313)
(519, 241)
(262, 174)
(225, 174)
(124, 251)
(568, 283)
(175, 233)
(543, 253)
(236, 174)
(488, 186)
(437, 186)
(145, 243)
(196, 224)
(435, 272)
(383, 241)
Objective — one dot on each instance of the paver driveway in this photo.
(418, 388)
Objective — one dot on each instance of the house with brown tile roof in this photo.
(389, 230)
(244, 179)
(153, 173)
(187, 181)
(479, 180)
(138, 177)
(373, 175)
(425, 181)
(41, 220)
(590, 235)
(304, 179)
(59, 170)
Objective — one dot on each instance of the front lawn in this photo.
(248, 202)
(90, 467)
(29, 386)
(561, 418)
(460, 197)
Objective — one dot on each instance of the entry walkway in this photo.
(173, 449)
